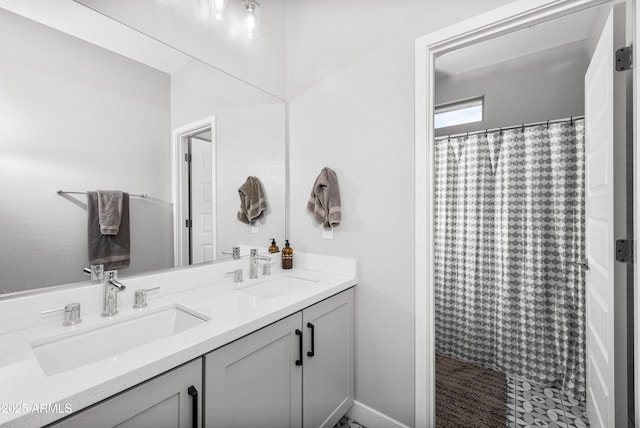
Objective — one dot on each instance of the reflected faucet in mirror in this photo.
(96, 272)
(235, 253)
(130, 107)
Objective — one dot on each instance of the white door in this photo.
(601, 208)
(202, 201)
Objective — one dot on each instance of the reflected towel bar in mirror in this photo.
(60, 192)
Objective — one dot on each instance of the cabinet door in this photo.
(328, 366)
(255, 381)
(166, 401)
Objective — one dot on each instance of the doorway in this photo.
(195, 193)
(466, 35)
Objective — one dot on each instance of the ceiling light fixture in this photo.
(217, 8)
(250, 20)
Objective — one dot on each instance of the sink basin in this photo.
(57, 354)
(278, 287)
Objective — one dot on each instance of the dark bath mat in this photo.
(468, 395)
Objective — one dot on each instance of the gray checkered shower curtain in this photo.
(509, 220)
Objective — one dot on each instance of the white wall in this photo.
(76, 117)
(183, 25)
(350, 79)
(249, 140)
(537, 87)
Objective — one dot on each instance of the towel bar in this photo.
(59, 192)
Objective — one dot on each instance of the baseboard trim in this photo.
(371, 418)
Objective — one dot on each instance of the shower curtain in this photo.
(509, 220)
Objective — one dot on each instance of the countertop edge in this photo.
(103, 390)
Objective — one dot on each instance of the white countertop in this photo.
(24, 387)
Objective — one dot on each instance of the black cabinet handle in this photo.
(193, 392)
(313, 340)
(299, 362)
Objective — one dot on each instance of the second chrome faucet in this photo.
(253, 262)
(111, 287)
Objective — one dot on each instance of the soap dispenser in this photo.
(287, 256)
(273, 248)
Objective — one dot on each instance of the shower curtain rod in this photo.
(506, 128)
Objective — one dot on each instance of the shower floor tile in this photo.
(346, 422)
(529, 405)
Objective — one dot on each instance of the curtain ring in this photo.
(547, 124)
(571, 121)
(523, 128)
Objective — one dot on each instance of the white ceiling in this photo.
(80, 21)
(548, 35)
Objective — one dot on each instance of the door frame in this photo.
(503, 20)
(179, 188)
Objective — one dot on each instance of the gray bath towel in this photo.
(324, 202)
(109, 211)
(111, 250)
(253, 202)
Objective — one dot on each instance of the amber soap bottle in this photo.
(273, 248)
(287, 256)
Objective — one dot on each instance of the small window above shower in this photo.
(459, 112)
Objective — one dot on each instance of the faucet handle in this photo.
(237, 275)
(140, 299)
(266, 268)
(71, 313)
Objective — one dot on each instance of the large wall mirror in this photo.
(75, 115)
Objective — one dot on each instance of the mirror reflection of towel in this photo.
(324, 202)
(109, 211)
(252, 200)
(113, 251)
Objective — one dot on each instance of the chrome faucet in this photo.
(111, 289)
(235, 252)
(237, 276)
(253, 262)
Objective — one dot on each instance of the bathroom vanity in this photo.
(271, 351)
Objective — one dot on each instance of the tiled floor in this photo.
(345, 422)
(529, 405)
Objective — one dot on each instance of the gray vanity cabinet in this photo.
(328, 387)
(166, 401)
(263, 379)
(254, 381)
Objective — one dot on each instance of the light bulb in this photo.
(250, 20)
(217, 8)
